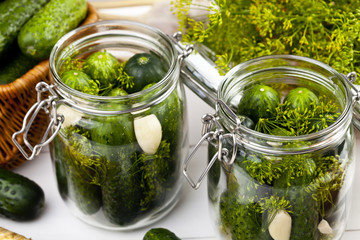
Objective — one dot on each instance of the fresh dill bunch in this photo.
(239, 30)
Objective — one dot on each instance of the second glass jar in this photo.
(280, 187)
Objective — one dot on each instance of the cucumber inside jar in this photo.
(297, 193)
(102, 74)
(133, 167)
(287, 110)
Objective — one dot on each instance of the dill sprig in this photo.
(88, 164)
(72, 64)
(271, 206)
(293, 122)
(330, 178)
(124, 81)
(239, 30)
(264, 171)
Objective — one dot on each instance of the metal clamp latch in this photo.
(351, 78)
(55, 121)
(186, 50)
(215, 137)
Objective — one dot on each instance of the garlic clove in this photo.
(71, 116)
(280, 227)
(324, 227)
(148, 133)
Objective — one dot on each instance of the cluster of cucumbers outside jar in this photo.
(119, 152)
(281, 151)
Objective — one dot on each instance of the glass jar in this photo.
(262, 186)
(117, 160)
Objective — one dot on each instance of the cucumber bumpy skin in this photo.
(145, 68)
(79, 168)
(258, 101)
(15, 66)
(302, 99)
(114, 139)
(103, 67)
(13, 15)
(80, 81)
(21, 199)
(38, 36)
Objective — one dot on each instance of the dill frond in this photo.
(239, 30)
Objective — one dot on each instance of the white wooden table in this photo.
(189, 219)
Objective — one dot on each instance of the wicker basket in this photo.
(15, 100)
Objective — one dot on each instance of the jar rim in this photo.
(119, 23)
(307, 137)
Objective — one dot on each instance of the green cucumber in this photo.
(279, 131)
(15, 66)
(214, 175)
(83, 170)
(160, 234)
(302, 99)
(322, 121)
(20, 198)
(241, 219)
(170, 114)
(13, 15)
(246, 121)
(38, 36)
(111, 132)
(259, 101)
(117, 92)
(58, 156)
(103, 67)
(146, 68)
(156, 176)
(86, 196)
(148, 86)
(80, 81)
(121, 193)
(291, 185)
(113, 137)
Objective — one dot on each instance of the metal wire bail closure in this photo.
(214, 134)
(49, 106)
(184, 51)
(350, 79)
